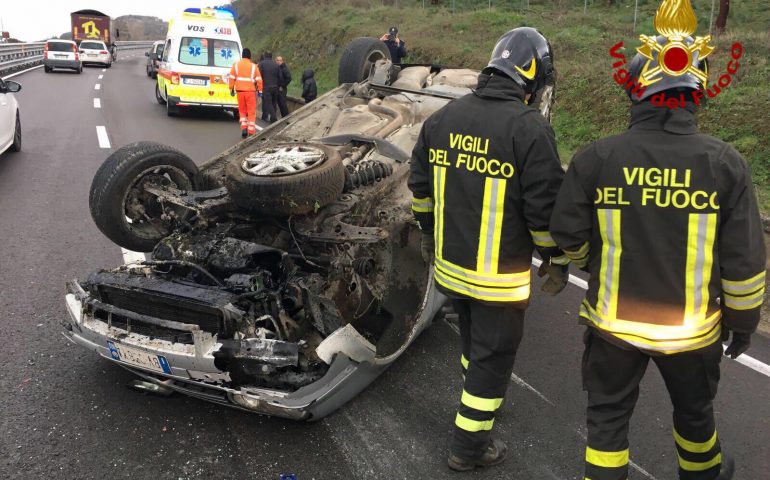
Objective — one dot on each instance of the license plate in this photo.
(60, 56)
(139, 358)
(195, 81)
(91, 54)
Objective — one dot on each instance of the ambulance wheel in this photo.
(286, 179)
(171, 109)
(120, 204)
(358, 58)
(158, 96)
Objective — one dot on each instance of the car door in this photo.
(7, 116)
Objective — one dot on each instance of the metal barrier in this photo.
(19, 56)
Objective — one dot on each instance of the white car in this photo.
(61, 54)
(92, 51)
(10, 121)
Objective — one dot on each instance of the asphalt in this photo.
(67, 414)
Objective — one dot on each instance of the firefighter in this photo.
(485, 173)
(666, 221)
(246, 81)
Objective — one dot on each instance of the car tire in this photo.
(16, 145)
(108, 65)
(158, 96)
(114, 183)
(79, 70)
(171, 109)
(358, 58)
(154, 74)
(288, 194)
(147, 70)
(47, 69)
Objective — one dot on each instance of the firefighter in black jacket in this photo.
(485, 173)
(666, 221)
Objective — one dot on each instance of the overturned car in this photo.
(285, 274)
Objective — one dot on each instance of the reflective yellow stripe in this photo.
(699, 466)
(741, 287)
(701, 231)
(439, 179)
(475, 278)
(423, 205)
(464, 361)
(695, 447)
(660, 338)
(473, 425)
(579, 253)
(479, 403)
(492, 213)
(511, 294)
(560, 260)
(542, 239)
(607, 459)
(747, 302)
(609, 277)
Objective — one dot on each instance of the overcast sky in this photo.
(31, 20)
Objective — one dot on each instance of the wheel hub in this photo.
(282, 160)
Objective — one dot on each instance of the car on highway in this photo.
(154, 54)
(61, 54)
(10, 118)
(95, 52)
(201, 45)
(285, 274)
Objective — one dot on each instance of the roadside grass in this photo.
(312, 34)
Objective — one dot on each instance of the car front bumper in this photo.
(193, 371)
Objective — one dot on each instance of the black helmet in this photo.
(673, 71)
(526, 56)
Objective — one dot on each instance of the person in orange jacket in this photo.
(246, 80)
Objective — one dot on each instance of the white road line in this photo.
(101, 76)
(101, 134)
(132, 257)
(260, 128)
(97, 103)
(23, 71)
(104, 69)
(98, 86)
(744, 359)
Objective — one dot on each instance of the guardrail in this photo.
(19, 56)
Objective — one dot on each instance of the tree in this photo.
(724, 9)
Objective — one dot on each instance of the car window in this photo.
(166, 49)
(225, 53)
(59, 47)
(93, 45)
(159, 50)
(194, 51)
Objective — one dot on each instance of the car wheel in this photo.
(286, 179)
(108, 65)
(171, 109)
(80, 70)
(47, 69)
(16, 145)
(158, 96)
(154, 74)
(120, 206)
(359, 57)
(147, 70)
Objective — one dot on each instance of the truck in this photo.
(91, 25)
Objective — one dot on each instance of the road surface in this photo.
(67, 414)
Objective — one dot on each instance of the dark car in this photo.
(153, 59)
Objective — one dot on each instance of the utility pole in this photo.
(636, 10)
(711, 20)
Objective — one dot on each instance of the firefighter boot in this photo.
(728, 466)
(494, 455)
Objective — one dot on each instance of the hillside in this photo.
(138, 27)
(313, 33)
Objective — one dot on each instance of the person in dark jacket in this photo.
(271, 83)
(284, 79)
(309, 88)
(396, 46)
(484, 174)
(666, 221)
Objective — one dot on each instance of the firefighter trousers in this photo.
(247, 110)
(611, 376)
(490, 337)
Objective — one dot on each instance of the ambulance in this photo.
(201, 46)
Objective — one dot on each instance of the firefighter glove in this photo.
(738, 346)
(232, 92)
(427, 247)
(557, 277)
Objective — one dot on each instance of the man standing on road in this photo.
(666, 221)
(396, 46)
(284, 79)
(485, 173)
(246, 80)
(271, 79)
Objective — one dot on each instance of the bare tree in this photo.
(724, 9)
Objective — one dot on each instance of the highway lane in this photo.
(67, 413)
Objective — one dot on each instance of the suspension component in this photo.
(366, 173)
